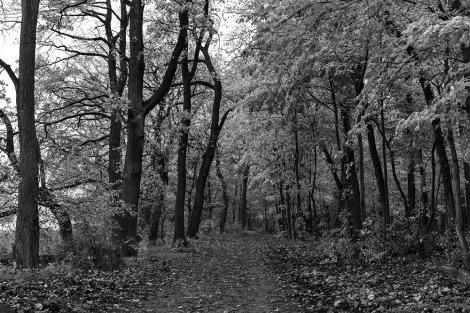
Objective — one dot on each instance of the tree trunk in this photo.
(441, 152)
(351, 181)
(379, 178)
(384, 158)
(433, 189)
(458, 208)
(422, 174)
(223, 217)
(445, 169)
(289, 212)
(296, 164)
(397, 181)
(243, 208)
(125, 232)
(179, 238)
(27, 221)
(466, 169)
(361, 176)
(208, 156)
(411, 181)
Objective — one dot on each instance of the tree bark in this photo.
(223, 217)
(441, 152)
(179, 238)
(466, 169)
(351, 181)
(243, 207)
(379, 178)
(458, 208)
(384, 158)
(27, 221)
(126, 229)
(411, 181)
(361, 176)
(445, 170)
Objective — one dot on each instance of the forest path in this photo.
(226, 274)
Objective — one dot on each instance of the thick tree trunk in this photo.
(379, 178)
(458, 208)
(179, 238)
(27, 221)
(125, 232)
(445, 169)
(117, 84)
(351, 181)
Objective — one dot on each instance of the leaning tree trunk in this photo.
(379, 178)
(27, 221)
(209, 153)
(458, 208)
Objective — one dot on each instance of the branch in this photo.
(10, 73)
(160, 93)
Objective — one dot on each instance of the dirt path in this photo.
(226, 274)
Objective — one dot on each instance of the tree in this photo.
(27, 221)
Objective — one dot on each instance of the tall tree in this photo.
(27, 221)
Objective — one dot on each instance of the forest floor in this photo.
(247, 272)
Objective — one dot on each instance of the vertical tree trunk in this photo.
(466, 169)
(441, 152)
(377, 169)
(223, 217)
(411, 180)
(384, 158)
(117, 84)
(125, 232)
(289, 213)
(27, 221)
(433, 189)
(361, 176)
(179, 238)
(422, 174)
(351, 181)
(458, 208)
(243, 207)
(296, 164)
